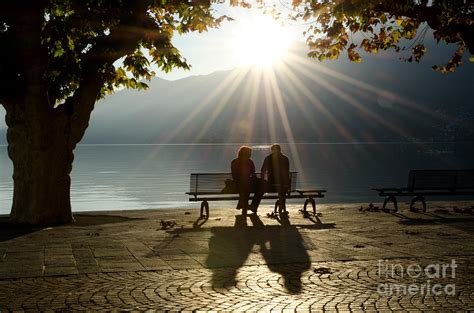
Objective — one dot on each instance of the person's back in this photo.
(243, 173)
(242, 170)
(276, 169)
(276, 173)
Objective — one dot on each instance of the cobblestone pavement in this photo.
(341, 286)
(347, 259)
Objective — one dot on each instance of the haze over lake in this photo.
(128, 177)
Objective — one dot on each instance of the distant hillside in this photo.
(303, 101)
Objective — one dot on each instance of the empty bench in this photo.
(423, 183)
(206, 187)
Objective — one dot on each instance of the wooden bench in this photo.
(423, 183)
(207, 187)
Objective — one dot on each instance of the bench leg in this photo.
(278, 208)
(204, 205)
(391, 199)
(313, 204)
(415, 199)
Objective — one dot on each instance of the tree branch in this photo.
(123, 39)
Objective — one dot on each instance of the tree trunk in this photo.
(39, 144)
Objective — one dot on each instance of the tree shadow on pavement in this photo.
(83, 219)
(10, 231)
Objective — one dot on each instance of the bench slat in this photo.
(274, 196)
(434, 182)
(215, 183)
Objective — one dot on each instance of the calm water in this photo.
(118, 177)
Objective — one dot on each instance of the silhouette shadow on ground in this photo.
(281, 247)
(230, 248)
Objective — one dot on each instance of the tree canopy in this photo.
(80, 37)
(384, 24)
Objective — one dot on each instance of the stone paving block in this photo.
(184, 264)
(119, 265)
(106, 252)
(88, 268)
(13, 266)
(25, 248)
(60, 270)
(60, 260)
(8, 274)
(57, 251)
(24, 256)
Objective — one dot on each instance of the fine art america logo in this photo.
(431, 279)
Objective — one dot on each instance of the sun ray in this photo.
(367, 114)
(380, 92)
(269, 107)
(320, 107)
(247, 106)
(285, 121)
(202, 105)
(219, 106)
(192, 115)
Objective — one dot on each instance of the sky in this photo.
(227, 47)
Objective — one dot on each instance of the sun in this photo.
(261, 41)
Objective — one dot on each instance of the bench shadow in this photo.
(200, 221)
(464, 224)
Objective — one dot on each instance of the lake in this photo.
(119, 177)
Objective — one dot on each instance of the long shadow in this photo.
(465, 224)
(229, 248)
(281, 246)
(10, 231)
(94, 219)
(284, 245)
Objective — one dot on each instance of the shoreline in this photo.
(266, 207)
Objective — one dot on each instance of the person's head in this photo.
(275, 148)
(245, 152)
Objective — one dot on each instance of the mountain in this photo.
(301, 100)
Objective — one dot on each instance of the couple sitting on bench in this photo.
(275, 177)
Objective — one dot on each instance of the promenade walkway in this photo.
(348, 258)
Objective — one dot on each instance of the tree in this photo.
(386, 24)
(57, 58)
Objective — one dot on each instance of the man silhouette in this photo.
(276, 176)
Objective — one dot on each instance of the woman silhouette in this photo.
(243, 174)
